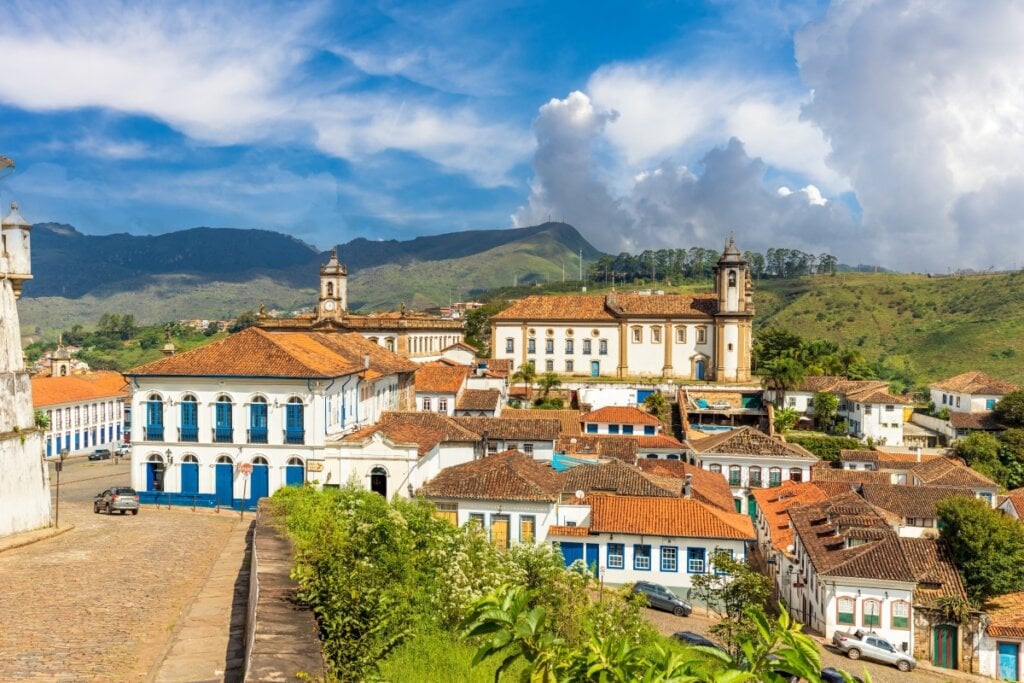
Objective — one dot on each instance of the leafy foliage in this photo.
(786, 419)
(825, 447)
(825, 406)
(987, 546)
(1009, 410)
(731, 590)
(659, 406)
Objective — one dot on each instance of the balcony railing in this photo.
(755, 482)
(257, 435)
(223, 435)
(295, 436)
(190, 434)
(153, 433)
(734, 481)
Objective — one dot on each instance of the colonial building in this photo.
(24, 484)
(228, 423)
(411, 335)
(84, 411)
(645, 334)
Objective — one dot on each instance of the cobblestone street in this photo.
(101, 601)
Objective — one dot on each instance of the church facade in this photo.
(415, 336)
(642, 334)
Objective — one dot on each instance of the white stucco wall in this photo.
(24, 484)
(766, 463)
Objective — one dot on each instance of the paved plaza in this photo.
(101, 601)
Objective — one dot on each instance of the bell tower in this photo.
(733, 320)
(333, 303)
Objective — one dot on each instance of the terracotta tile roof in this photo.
(951, 472)
(506, 476)
(1016, 499)
(705, 486)
(499, 366)
(596, 308)
(846, 455)
(478, 399)
(103, 384)
(975, 382)
(440, 379)
(886, 460)
(254, 352)
(749, 441)
(568, 531)
(825, 528)
(836, 488)
(934, 570)
(825, 472)
(1006, 614)
(876, 396)
(660, 441)
(984, 421)
(425, 430)
(570, 419)
(620, 415)
(461, 345)
(774, 503)
(677, 517)
(862, 391)
(620, 447)
(618, 478)
(512, 428)
(910, 501)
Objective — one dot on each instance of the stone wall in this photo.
(282, 638)
(968, 651)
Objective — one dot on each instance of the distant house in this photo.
(85, 411)
(914, 506)
(1002, 644)
(535, 437)
(970, 392)
(616, 420)
(438, 386)
(952, 472)
(1012, 504)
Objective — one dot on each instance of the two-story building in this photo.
(231, 422)
(85, 411)
(534, 436)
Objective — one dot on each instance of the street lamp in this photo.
(59, 466)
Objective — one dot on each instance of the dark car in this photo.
(119, 498)
(662, 598)
(691, 638)
(830, 675)
(101, 454)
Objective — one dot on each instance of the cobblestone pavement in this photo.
(699, 623)
(100, 602)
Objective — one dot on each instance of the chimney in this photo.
(687, 486)
(366, 362)
(917, 451)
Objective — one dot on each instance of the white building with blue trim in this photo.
(231, 422)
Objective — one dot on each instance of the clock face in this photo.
(328, 305)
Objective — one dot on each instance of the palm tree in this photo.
(525, 374)
(658, 406)
(782, 374)
(548, 382)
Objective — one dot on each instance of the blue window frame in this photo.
(627, 429)
(616, 555)
(726, 552)
(510, 345)
(549, 346)
(648, 430)
(591, 428)
(990, 403)
(669, 558)
(155, 418)
(586, 347)
(531, 346)
(696, 562)
(258, 420)
(189, 419)
(222, 431)
(568, 346)
(613, 429)
(642, 558)
(294, 422)
(602, 347)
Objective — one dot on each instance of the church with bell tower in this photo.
(333, 304)
(734, 315)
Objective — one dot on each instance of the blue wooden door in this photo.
(593, 564)
(225, 483)
(77, 437)
(571, 552)
(595, 368)
(49, 446)
(294, 475)
(154, 476)
(259, 482)
(1009, 661)
(700, 369)
(190, 477)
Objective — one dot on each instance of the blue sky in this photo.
(857, 127)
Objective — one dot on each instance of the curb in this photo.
(52, 533)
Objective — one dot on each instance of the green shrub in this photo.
(825, 447)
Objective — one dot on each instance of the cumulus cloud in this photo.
(922, 103)
(668, 205)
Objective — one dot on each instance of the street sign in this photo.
(245, 468)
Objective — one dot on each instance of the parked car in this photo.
(662, 598)
(120, 498)
(869, 646)
(123, 450)
(101, 454)
(691, 638)
(830, 675)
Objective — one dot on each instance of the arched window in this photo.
(330, 289)
(155, 472)
(734, 475)
(755, 477)
(846, 608)
(190, 459)
(379, 481)
(796, 474)
(260, 460)
(294, 422)
(63, 371)
(189, 429)
(258, 420)
(225, 460)
(222, 430)
(872, 613)
(389, 344)
(154, 418)
(295, 462)
(732, 278)
(901, 614)
(775, 476)
(715, 467)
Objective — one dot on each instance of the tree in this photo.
(211, 329)
(731, 590)
(525, 374)
(773, 342)
(1010, 409)
(782, 374)
(826, 406)
(1011, 453)
(659, 406)
(547, 382)
(987, 546)
(981, 451)
(244, 320)
(786, 419)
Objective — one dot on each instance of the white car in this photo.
(870, 646)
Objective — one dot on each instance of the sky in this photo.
(888, 132)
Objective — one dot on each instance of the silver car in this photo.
(117, 499)
(869, 646)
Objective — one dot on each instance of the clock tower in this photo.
(333, 304)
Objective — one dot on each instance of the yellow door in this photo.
(499, 531)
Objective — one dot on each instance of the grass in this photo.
(434, 656)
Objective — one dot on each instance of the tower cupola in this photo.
(333, 302)
(16, 233)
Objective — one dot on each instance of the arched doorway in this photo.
(699, 369)
(294, 472)
(190, 474)
(155, 473)
(379, 481)
(225, 481)
(260, 479)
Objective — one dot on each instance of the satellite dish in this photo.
(572, 440)
(580, 494)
